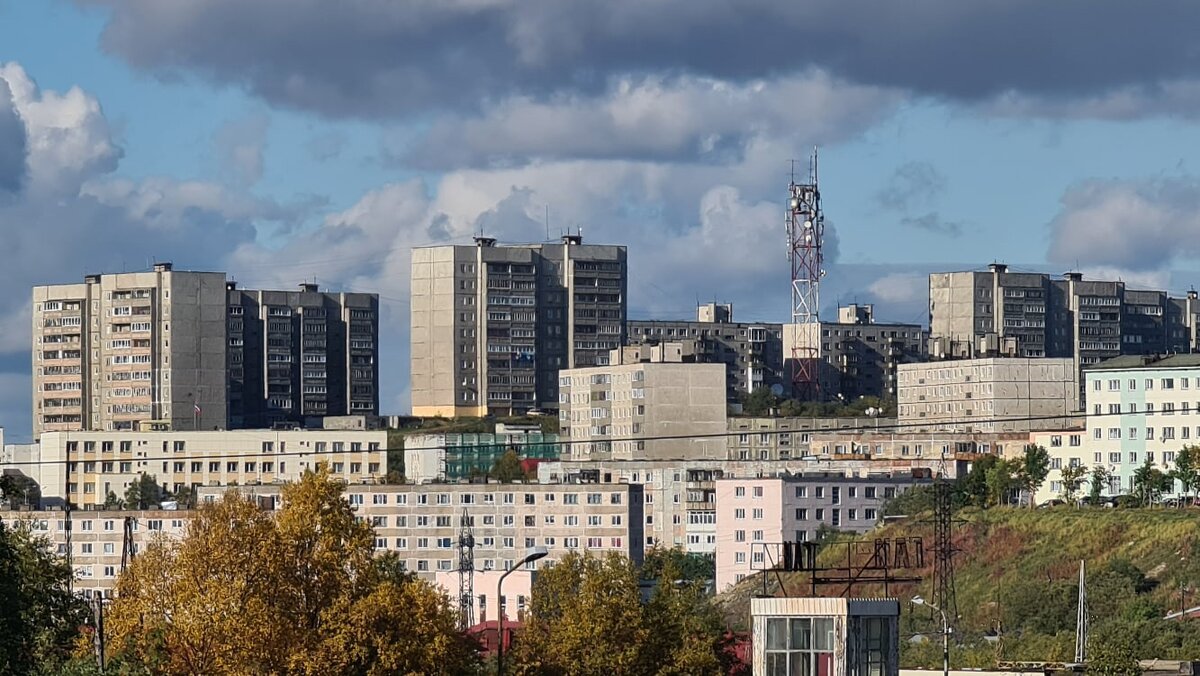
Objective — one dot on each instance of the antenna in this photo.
(805, 234)
(548, 223)
(466, 572)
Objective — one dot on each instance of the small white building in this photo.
(825, 637)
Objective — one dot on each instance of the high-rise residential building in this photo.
(1002, 394)
(1026, 314)
(646, 404)
(183, 350)
(298, 354)
(492, 324)
(751, 351)
(120, 350)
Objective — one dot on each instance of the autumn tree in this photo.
(298, 592)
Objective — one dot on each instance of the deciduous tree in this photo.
(1187, 469)
(1072, 479)
(1033, 468)
(508, 467)
(143, 492)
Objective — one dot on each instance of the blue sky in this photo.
(236, 134)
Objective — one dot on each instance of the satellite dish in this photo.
(777, 389)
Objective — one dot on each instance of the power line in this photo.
(520, 444)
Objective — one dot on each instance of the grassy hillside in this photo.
(1016, 581)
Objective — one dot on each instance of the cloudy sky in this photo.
(292, 140)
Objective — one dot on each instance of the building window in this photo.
(801, 646)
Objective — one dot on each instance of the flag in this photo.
(197, 407)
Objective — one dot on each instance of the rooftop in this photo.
(1140, 361)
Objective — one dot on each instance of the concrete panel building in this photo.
(1066, 449)
(752, 352)
(617, 411)
(988, 395)
(752, 438)
(492, 325)
(122, 350)
(755, 515)
(298, 354)
(431, 458)
(84, 466)
(1026, 314)
(1139, 409)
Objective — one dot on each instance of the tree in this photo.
(186, 497)
(1187, 470)
(759, 402)
(1148, 483)
(143, 492)
(686, 566)
(39, 616)
(111, 501)
(1033, 469)
(1098, 483)
(1001, 479)
(508, 468)
(299, 592)
(1072, 479)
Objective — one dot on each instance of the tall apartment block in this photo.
(1022, 314)
(296, 354)
(861, 358)
(751, 351)
(492, 324)
(183, 350)
(124, 349)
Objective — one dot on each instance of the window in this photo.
(803, 646)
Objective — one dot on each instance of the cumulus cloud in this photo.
(900, 288)
(379, 58)
(654, 118)
(1127, 224)
(67, 135)
(240, 144)
(12, 143)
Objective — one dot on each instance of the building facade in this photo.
(988, 395)
(756, 515)
(298, 354)
(752, 352)
(784, 438)
(127, 349)
(85, 466)
(432, 458)
(1027, 314)
(639, 410)
(492, 325)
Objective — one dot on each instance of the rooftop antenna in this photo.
(548, 223)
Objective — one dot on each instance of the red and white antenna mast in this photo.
(806, 235)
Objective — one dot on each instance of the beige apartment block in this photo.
(85, 466)
(786, 438)
(130, 349)
(422, 523)
(92, 543)
(492, 324)
(637, 409)
(988, 395)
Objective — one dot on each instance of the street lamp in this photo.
(945, 633)
(531, 554)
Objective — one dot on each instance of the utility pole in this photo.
(943, 544)
(98, 637)
(127, 550)
(1081, 620)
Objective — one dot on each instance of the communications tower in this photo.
(466, 572)
(806, 235)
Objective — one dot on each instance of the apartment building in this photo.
(900, 445)
(753, 438)
(1066, 449)
(988, 395)
(492, 325)
(125, 349)
(756, 515)
(430, 458)
(298, 354)
(422, 523)
(1028, 314)
(752, 352)
(646, 404)
(681, 498)
(85, 466)
(1139, 409)
(93, 542)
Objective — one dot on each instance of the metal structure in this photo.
(127, 549)
(1081, 620)
(806, 235)
(943, 544)
(466, 572)
(881, 561)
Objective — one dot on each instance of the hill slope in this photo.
(1017, 580)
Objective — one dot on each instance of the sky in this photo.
(285, 141)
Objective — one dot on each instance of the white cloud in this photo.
(900, 288)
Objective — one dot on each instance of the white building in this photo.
(625, 409)
(988, 395)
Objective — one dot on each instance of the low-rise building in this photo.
(825, 636)
(447, 456)
(756, 513)
(85, 466)
(782, 438)
(988, 395)
(647, 404)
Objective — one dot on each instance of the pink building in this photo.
(755, 516)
